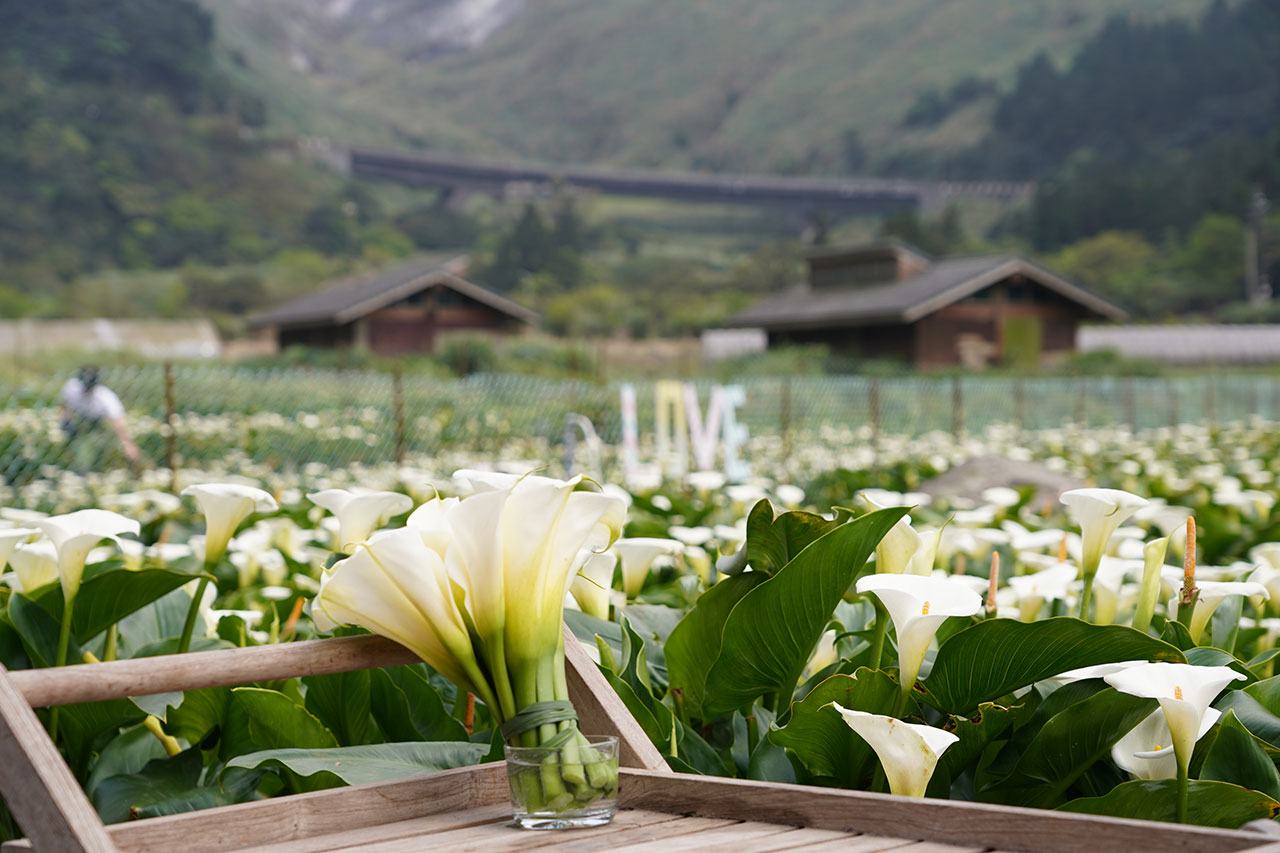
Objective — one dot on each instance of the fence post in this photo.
(784, 417)
(957, 406)
(397, 406)
(873, 404)
(1210, 401)
(1251, 400)
(1020, 402)
(1173, 402)
(171, 431)
(1130, 406)
(1082, 390)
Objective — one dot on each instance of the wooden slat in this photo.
(414, 828)
(602, 712)
(143, 676)
(946, 821)
(673, 826)
(860, 844)
(45, 799)
(937, 847)
(738, 836)
(505, 837)
(807, 837)
(321, 812)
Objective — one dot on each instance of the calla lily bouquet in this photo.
(475, 586)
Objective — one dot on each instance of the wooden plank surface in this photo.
(413, 828)
(964, 824)
(143, 676)
(38, 787)
(602, 712)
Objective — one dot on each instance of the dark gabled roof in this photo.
(351, 298)
(906, 301)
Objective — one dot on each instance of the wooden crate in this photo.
(468, 808)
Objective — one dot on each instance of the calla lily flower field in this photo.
(1110, 649)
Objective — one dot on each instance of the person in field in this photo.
(89, 411)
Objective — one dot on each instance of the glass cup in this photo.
(555, 788)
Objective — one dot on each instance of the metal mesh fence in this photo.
(287, 418)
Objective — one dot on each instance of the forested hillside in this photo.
(1150, 127)
(121, 145)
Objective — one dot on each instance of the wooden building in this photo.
(890, 300)
(406, 309)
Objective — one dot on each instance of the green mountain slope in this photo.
(813, 86)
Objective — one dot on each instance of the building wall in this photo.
(981, 317)
(398, 330)
(880, 342)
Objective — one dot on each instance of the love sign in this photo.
(684, 432)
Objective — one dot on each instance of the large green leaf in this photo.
(276, 721)
(355, 765)
(158, 621)
(1209, 803)
(1067, 745)
(200, 712)
(992, 658)
(774, 542)
(112, 595)
(769, 636)
(975, 734)
(1239, 757)
(407, 707)
(128, 753)
(341, 701)
(38, 631)
(168, 786)
(819, 737)
(694, 644)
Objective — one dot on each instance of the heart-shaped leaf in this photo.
(995, 657)
(1209, 803)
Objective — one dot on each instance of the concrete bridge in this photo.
(807, 197)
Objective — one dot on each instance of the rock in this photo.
(970, 479)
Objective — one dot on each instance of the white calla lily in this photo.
(396, 586)
(1146, 751)
(1098, 512)
(1184, 693)
(897, 548)
(593, 583)
(431, 520)
(360, 513)
(1033, 590)
(1213, 593)
(34, 566)
(637, 556)
(75, 534)
(11, 538)
(224, 506)
(908, 753)
(918, 606)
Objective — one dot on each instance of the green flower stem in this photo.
(64, 640)
(193, 611)
(900, 704)
(1086, 596)
(111, 649)
(1182, 791)
(877, 639)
